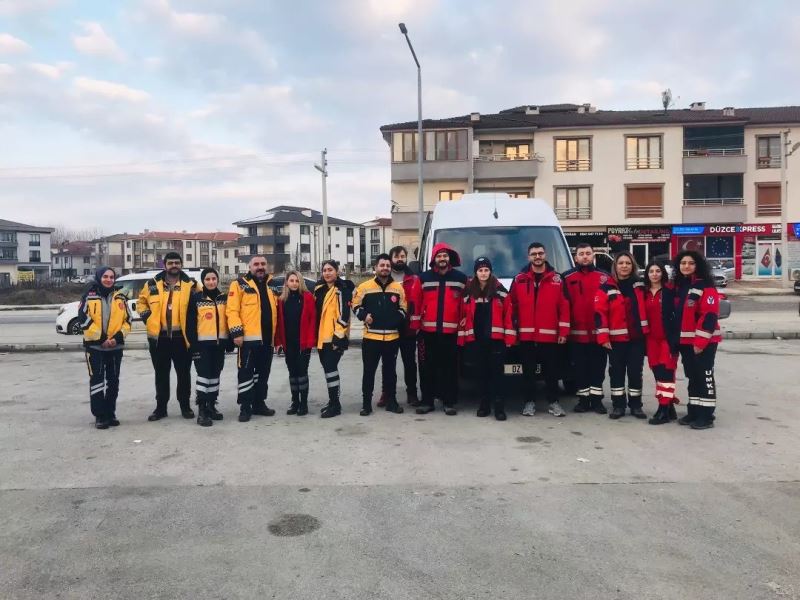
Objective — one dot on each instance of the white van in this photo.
(130, 285)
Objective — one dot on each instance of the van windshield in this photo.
(506, 247)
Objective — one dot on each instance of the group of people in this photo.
(565, 326)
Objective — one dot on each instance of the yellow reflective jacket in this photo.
(152, 304)
(104, 318)
(244, 309)
(333, 312)
(206, 322)
(387, 306)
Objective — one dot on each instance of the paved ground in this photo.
(396, 506)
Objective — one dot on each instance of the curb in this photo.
(9, 308)
(761, 335)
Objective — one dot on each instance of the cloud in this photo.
(96, 42)
(51, 71)
(108, 90)
(12, 45)
(21, 8)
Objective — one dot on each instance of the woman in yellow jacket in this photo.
(105, 319)
(333, 297)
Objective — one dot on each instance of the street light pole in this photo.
(785, 271)
(323, 169)
(420, 142)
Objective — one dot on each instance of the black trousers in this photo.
(166, 353)
(208, 369)
(372, 352)
(489, 356)
(699, 370)
(255, 364)
(408, 353)
(589, 361)
(626, 359)
(545, 354)
(438, 366)
(297, 363)
(103, 382)
(329, 359)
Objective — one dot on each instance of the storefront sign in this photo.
(688, 229)
(796, 228)
(746, 228)
(640, 234)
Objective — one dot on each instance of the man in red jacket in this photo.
(588, 357)
(439, 313)
(541, 317)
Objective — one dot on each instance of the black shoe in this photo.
(245, 412)
(637, 412)
(331, 410)
(263, 410)
(450, 411)
(690, 416)
(424, 409)
(500, 414)
(412, 398)
(598, 406)
(583, 405)
(302, 408)
(157, 415)
(393, 407)
(673, 414)
(702, 424)
(293, 408)
(113, 421)
(661, 417)
(214, 413)
(483, 411)
(187, 413)
(203, 418)
(617, 412)
(101, 424)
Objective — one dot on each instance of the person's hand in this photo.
(238, 341)
(607, 345)
(368, 320)
(698, 350)
(105, 344)
(562, 339)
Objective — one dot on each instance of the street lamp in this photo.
(786, 152)
(420, 144)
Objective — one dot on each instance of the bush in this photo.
(41, 292)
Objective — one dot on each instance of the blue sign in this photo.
(796, 227)
(688, 229)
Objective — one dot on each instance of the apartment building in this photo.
(73, 259)
(227, 260)
(24, 252)
(291, 237)
(132, 253)
(648, 181)
(376, 239)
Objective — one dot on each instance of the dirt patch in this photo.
(293, 525)
(529, 439)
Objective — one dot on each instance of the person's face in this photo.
(293, 282)
(210, 281)
(107, 279)
(584, 257)
(687, 266)
(329, 274)
(399, 261)
(483, 274)
(173, 267)
(442, 260)
(383, 268)
(537, 256)
(624, 267)
(654, 274)
(258, 267)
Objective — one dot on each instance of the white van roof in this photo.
(150, 274)
(492, 210)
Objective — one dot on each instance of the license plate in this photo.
(513, 369)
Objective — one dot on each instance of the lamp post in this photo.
(420, 142)
(786, 152)
(323, 169)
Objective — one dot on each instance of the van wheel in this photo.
(74, 327)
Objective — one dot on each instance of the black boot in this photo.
(500, 410)
(203, 415)
(101, 423)
(245, 412)
(366, 406)
(261, 408)
(661, 417)
(113, 421)
(159, 413)
(424, 408)
(673, 414)
(393, 406)
(213, 412)
(598, 406)
(295, 404)
(705, 418)
(412, 398)
(583, 405)
(186, 411)
(334, 407)
(618, 407)
(690, 416)
(483, 409)
(302, 408)
(635, 406)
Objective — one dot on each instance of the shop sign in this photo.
(688, 229)
(642, 234)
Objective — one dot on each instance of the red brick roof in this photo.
(216, 236)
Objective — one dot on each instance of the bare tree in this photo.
(62, 234)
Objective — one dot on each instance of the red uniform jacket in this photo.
(308, 324)
(440, 308)
(697, 313)
(618, 316)
(581, 286)
(413, 291)
(540, 312)
(660, 311)
(502, 326)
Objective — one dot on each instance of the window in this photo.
(337, 229)
(227, 270)
(188, 244)
(573, 202)
(253, 249)
(768, 199)
(236, 269)
(128, 244)
(36, 256)
(35, 240)
(769, 152)
(516, 151)
(374, 235)
(8, 236)
(349, 232)
(8, 254)
(203, 246)
(337, 245)
(439, 145)
(643, 152)
(305, 247)
(189, 257)
(519, 194)
(374, 249)
(86, 260)
(225, 253)
(128, 258)
(574, 154)
(87, 272)
(305, 230)
(252, 230)
(447, 195)
(236, 253)
(644, 201)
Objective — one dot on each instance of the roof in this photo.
(378, 222)
(80, 248)
(293, 214)
(14, 226)
(557, 116)
(215, 236)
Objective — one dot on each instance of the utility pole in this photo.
(786, 151)
(323, 169)
(420, 141)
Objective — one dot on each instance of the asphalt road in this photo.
(396, 506)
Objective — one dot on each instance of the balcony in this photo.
(501, 166)
(264, 239)
(434, 170)
(768, 162)
(714, 210)
(714, 161)
(574, 212)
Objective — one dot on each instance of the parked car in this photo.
(797, 287)
(720, 277)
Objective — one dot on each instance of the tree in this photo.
(62, 234)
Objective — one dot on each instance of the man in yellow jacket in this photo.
(163, 304)
(252, 315)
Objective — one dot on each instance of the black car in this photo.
(797, 287)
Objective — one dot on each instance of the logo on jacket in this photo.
(394, 299)
(208, 316)
(603, 278)
(690, 303)
(711, 299)
(230, 293)
(121, 304)
(556, 278)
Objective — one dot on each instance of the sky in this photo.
(173, 115)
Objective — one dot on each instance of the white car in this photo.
(130, 285)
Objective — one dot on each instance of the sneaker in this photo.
(556, 410)
(529, 410)
(450, 411)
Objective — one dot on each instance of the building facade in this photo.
(376, 239)
(651, 182)
(24, 252)
(291, 237)
(73, 259)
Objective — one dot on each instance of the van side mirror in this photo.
(414, 266)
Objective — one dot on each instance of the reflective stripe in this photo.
(579, 332)
(618, 390)
(498, 330)
(98, 388)
(332, 375)
(550, 331)
(252, 338)
(430, 284)
(717, 332)
(612, 292)
(246, 389)
(202, 388)
(205, 380)
(644, 323)
(457, 284)
(382, 331)
(562, 324)
(705, 402)
(599, 390)
(697, 291)
(206, 338)
(664, 384)
(635, 392)
(702, 334)
(687, 334)
(527, 330)
(664, 394)
(510, 332)
(247, 383)
(333, 384)
(429, 324)
(601, 330)
(615, 331)
(583, 392)
(416, 317)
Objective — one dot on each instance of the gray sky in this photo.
(170, 115)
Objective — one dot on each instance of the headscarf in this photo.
(98, 281)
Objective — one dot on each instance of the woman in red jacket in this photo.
(621, 326)
(485, 331)
(660, 309)
(696, 313)
(297, 335)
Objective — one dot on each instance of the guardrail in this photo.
(583, 164)
(768, 162)
(712, 201)
(574, 213)
(703, 152)
(644, 211)
(502, 157)
(644, 163)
